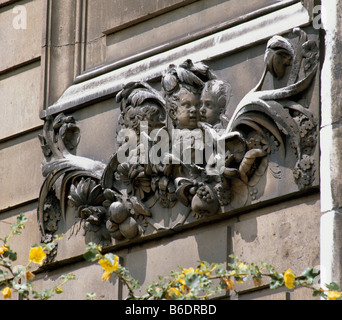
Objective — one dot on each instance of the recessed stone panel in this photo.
(131, 28)
(22, 44)
(20, 100)
(20, 173)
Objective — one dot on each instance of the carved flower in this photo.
(85, 195)
(308, 125)
(165, 188)
(87, 192)
(303, 132)
(306, 162)
(306, 179)
(254, 143)
(310, 141)
(133, 175)
(51, 217)
(271, 144)
(297, 173)
(303, 176)
(141, 185)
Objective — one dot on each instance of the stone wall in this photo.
(74, 56)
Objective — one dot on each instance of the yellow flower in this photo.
(238, 277)
(3, 249)
(181, 279)
(243, 266)
(190, 270)
(289, 279)
(7, 293)
(199, 271)
(106, 275)
(59, 290)
(229, 283)
(37, 255)
(108, 267)
(184, 288)
(333, 295)
(174, 291)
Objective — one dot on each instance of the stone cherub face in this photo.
(182, 87)
(185, 109)
(214, 98)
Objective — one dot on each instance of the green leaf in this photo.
(276, 282)
(7, 263)
(332, 286)
(90, 256)
(310, 274)
(69, 276)
(11, 255)
(193, 280)
(91, 296)
(92, 252)
(50, 246)
(46, 294)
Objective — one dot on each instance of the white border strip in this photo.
(329, 154)
(207, 48)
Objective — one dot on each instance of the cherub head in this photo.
(182, 87)
(140, 102)
(214, 99)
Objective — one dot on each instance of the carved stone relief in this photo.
(180, 159)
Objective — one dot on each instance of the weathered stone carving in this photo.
(177, 149)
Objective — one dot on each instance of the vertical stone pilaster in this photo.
(331, 144)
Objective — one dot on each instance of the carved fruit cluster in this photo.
(120, 223)
(124, 214)
(204, 202)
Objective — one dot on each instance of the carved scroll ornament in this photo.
(177, 151)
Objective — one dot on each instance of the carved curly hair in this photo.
(187, 75)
